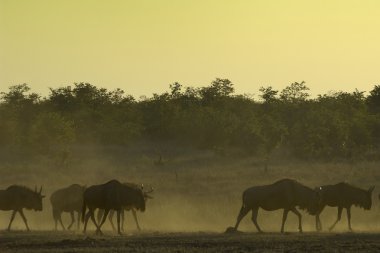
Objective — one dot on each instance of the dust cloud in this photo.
(193, 192)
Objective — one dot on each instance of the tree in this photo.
(17, 95)
(219, 88)
(295, 92)
(373, 100)
(175, 90)
(268, 94)
(51, 133)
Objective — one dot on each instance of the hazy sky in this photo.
(142, 46)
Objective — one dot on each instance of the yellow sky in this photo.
(142, 46)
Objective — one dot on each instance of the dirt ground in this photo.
(47, 241)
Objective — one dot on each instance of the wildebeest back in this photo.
(113, 195)
(68, 199)
(284, 193)
(345, 195)
(17, 197)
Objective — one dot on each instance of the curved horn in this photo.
(147, 196)
(150, 191)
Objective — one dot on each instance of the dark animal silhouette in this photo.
(69, 199)
(17, 198)
(284, 194)
(126, 208)
(112, 195)
(343, 195)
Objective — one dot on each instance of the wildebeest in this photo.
(125, 208)
(112, 195)
(343, 195)
(16, 198)
(284, 194)
(69, 199)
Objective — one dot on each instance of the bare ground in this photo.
(48, 241)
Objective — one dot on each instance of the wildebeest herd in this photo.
(113, 196)
(288, 194)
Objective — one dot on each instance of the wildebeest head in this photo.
(143, 196)
(368, 199)
(35, 201)
(140, 201)
(146, 194)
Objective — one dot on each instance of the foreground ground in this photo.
(189, 242)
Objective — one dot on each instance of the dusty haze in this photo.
(194, 190)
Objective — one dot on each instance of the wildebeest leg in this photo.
(255, 211)
(338, 219)
(72, 220)
(118, 222)
(24, 219)
(318, 225)
(122, 218)
(295, 211)
(86, 218)
(12, 218)
(284, 216)
(55, 217)
(243, 212)
(78, 224)
(55, 224)
(101, 223)
(349, 218)
(100, 215)
(110, 218)
(60, 221)
(98, 231)
(134, 216)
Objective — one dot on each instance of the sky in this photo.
(142, 46)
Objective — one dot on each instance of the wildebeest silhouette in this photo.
(16, 198)
(343, 195)
(126, 208)
(112, 195)
(284, 194)
(69, 199)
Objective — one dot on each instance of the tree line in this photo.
(337, 125)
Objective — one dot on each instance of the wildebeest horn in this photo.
(150, 191)
(142, 186)
(146, 196)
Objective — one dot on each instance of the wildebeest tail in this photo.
(244, 199)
